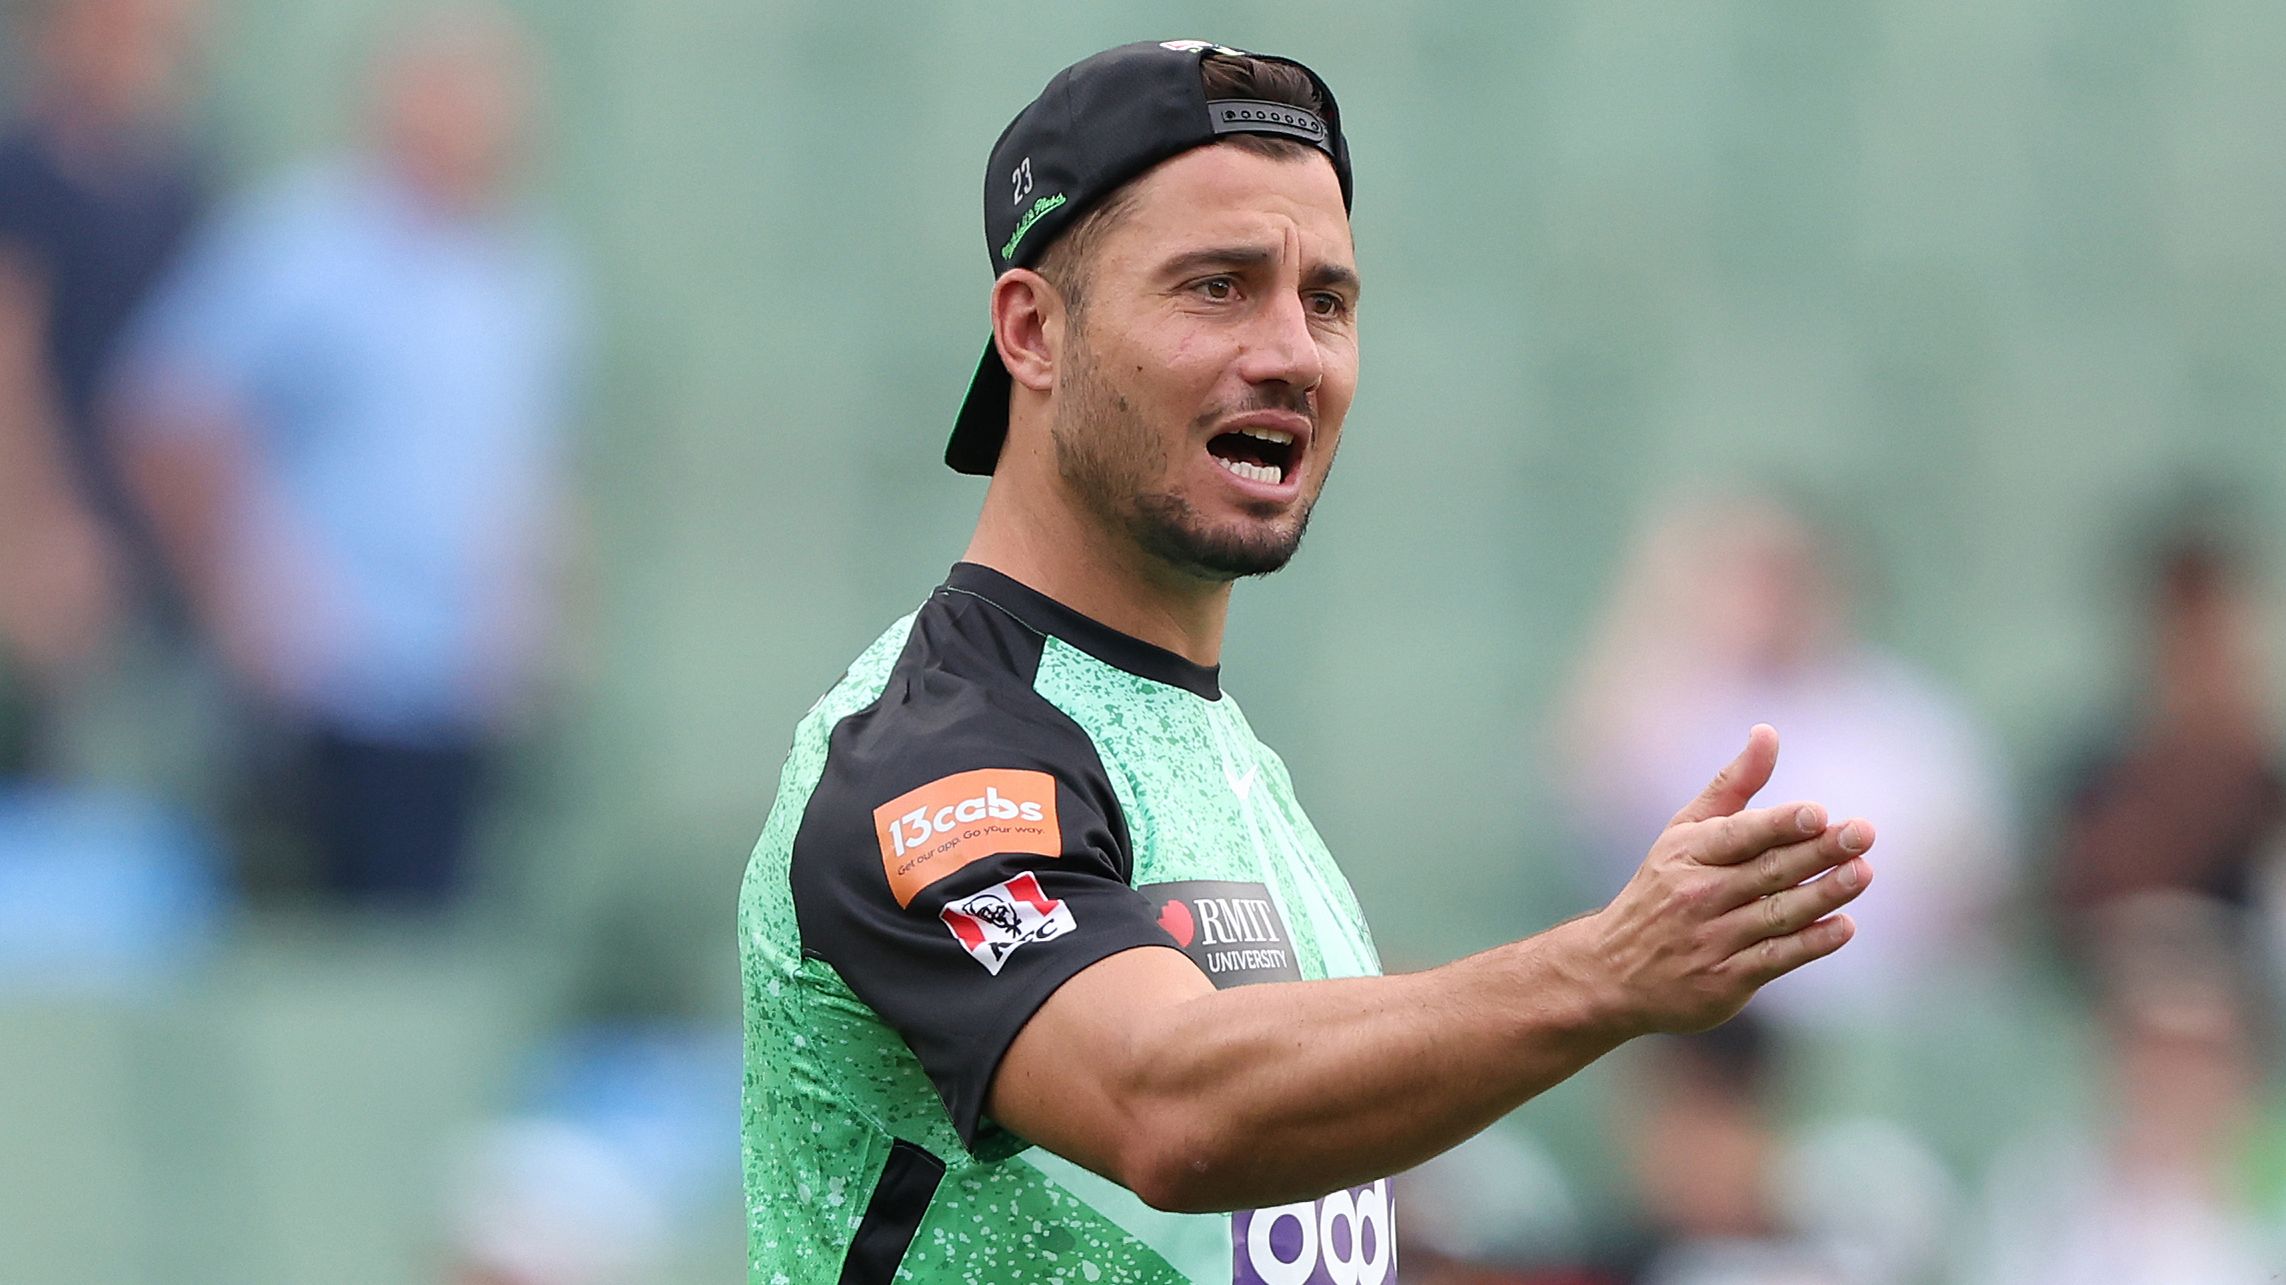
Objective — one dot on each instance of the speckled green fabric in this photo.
(829, 1088)
(1205, 800)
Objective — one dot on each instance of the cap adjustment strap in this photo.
(1256, 116)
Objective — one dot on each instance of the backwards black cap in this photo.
(1101, 122)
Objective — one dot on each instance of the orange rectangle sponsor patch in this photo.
(930, 832)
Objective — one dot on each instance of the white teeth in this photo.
(1252, 472)
(1278, 435)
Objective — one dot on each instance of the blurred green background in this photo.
(1983, 281)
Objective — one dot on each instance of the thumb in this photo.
(1739, 779)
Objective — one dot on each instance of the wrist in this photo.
(1579, 976)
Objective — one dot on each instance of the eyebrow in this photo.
(1319, 276)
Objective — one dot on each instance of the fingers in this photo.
(1739, 779)
(1779, 867)
(1729, 840)
(1787, 913)
(1774, 957)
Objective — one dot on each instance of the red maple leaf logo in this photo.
(1175, 917)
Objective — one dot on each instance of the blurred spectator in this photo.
(616, 1152)
(543, 1202)
(98, 189)
(2190, 795)
(1729, 1193)
(2154, 1189)
(344, 414)
(1739, 612)
(1495, 1210)
(1706, 1159)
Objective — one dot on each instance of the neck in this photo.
(1078, 563)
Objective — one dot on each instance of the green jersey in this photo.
(999, 793)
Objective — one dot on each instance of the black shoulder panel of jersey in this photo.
(963, 854)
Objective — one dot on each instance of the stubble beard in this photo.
(1112, 460)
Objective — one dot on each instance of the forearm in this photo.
(55, 576)
(30, 474)
(1196, 1098)
(186, 485)
(1265, 1094)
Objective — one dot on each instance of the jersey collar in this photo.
(1045, 615)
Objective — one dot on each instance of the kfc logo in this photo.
(991, 924)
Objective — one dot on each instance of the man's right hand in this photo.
(1729, 899)
(1197, 1098)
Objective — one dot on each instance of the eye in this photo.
(1327, 305)
(1219, 289)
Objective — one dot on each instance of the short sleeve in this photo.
(955, 870)
(221, 325)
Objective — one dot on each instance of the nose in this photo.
(1283, 348)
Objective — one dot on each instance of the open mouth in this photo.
(1257, 454)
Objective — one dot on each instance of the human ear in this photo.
(1028, 327)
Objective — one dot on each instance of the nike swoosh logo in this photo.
(1242, 785)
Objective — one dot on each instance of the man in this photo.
(345, 415)
(99, 187)
(1046, 972)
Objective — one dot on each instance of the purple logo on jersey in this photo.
(1347, 1238)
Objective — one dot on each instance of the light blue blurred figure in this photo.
(103, 895)
(615, 1155)
(346, 415)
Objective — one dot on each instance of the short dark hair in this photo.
(1243, 76)
(1065, 263)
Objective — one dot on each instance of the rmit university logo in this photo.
(1230, 930)
(991, 924)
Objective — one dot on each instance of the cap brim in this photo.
(983, 422)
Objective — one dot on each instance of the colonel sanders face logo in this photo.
(994, 911)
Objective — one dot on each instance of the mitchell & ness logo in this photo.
(1231, 930)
